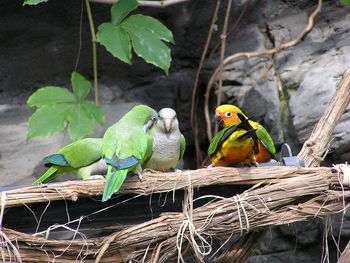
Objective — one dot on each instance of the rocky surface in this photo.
(287, 93)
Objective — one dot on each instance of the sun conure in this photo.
(235, 145)
(227, 114)
(82, 157)
(126, 145)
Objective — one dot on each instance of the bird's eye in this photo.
(154, 118)
(228, 114)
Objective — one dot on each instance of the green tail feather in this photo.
(49, 175)
(113, 183)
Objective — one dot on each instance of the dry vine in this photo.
(194, 101)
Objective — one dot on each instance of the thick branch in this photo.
(308, 192)
(159, 182)
(315, 147)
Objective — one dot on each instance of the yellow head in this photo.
(227, 114)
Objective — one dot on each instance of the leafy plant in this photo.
(345, 2)
(33, 2)
(58, 107)
(142, 33)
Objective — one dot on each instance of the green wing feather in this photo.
(266, 139)
(182, 146)
(220, 137)
(82, 152)
(78, 154)
(126, 139)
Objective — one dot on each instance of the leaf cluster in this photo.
(59, 107)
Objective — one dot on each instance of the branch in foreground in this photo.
(315, 147)
(289, 197)
(158, 183)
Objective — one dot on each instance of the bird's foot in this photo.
(255, 164)
(212, 165)
(139, 175)
(150, 170)
(96, 177)
(272, 161)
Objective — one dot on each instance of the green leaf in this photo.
(151, 24)
(96, 111)
(345, 2)
(115, 41)
(80, 123)
(121, 9)
(49, 120)
(49, 95)
(33, 2)
(81, 86)
(148, 46)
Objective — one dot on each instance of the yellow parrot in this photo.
(228, 115)
(235, 145)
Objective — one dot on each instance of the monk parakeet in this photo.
(127, 145)
(82, 157)
(235, 145)
(168, 143)
(227, 114)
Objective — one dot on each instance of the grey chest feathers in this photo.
(166, 142)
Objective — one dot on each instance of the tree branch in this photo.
(315, 147)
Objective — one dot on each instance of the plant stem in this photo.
(94, 52)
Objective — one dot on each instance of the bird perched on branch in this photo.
(127, 145)
(227, 115)
(82, 157)
(168, 143)
(235, 145)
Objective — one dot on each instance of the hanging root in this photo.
(192, 234)
(6, 246)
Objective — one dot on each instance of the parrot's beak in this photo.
(217, 118)
(167, 124)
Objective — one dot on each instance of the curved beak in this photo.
(167, 124)
(217, 118)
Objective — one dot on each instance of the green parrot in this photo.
(127, 145)
(168, 143)
(82, 157)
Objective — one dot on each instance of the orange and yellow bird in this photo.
(236, 145)
(228, 115)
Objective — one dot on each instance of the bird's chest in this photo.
(166, 153)
(167, 147)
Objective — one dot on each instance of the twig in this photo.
(254, 54)
(238, 20)
(315, 147)
(159, 4)
(222, 54)
(194, 103)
